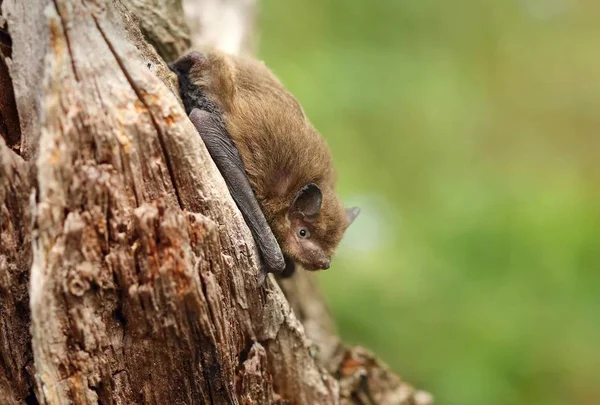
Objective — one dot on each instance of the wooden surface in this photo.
(120, 235)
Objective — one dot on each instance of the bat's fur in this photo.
(280, 149)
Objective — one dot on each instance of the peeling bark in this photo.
(142, 271)
(163, 25)
(10, 129)
(16, 358)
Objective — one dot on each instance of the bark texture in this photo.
(16, 359)
(10, 129)
(119, 235)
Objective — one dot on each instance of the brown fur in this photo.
(280, 149)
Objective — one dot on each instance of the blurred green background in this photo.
(468, 133)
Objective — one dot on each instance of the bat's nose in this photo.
(324, 264)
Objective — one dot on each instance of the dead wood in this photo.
(120, 236)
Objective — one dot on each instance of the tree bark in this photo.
(119, 234)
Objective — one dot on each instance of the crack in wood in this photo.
(157, 127)
(142, 301)
(67, 40)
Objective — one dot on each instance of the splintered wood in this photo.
(136, 295)
(119, 233)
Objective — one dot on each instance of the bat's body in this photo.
(276, 165)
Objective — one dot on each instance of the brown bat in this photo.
(276, 165)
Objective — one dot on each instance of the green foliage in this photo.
(468, 133)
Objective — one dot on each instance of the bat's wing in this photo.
(226, 157)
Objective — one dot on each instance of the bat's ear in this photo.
(308, 202)
(351, 214)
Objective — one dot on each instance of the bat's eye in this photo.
(303, 233)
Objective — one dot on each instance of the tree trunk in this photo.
(127, 274)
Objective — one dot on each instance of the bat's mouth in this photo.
(323, 265)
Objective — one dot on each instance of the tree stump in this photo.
(127, 274)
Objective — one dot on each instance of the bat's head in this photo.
(287, 162)
(316, 221)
